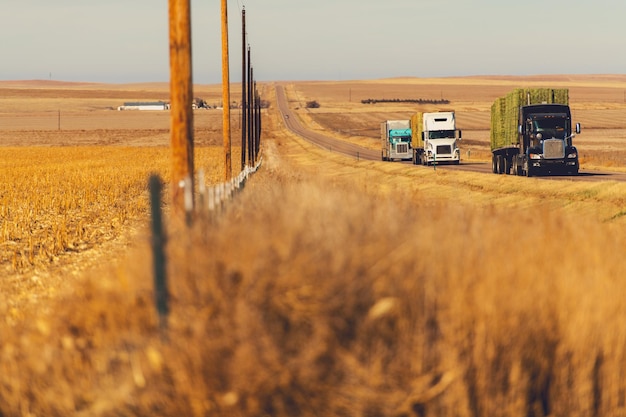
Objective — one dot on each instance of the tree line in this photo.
(405, 100)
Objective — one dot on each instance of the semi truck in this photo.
(395, 137)
(532, 132)
(435, 138)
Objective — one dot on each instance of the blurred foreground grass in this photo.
(336, 287)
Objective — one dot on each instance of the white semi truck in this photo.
(435, 138)
(395, 137)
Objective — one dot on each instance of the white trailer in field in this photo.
(395, 137)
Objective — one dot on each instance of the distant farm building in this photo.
(142, 105)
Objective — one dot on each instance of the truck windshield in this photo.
(441, 134)
(399, 139)
(551, 127)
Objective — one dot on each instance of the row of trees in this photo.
(314, 104)
(405, 100)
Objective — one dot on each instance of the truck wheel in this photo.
(519, 169)
(494, 164)
(500, 164)
(506, 164)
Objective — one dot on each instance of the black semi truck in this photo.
(531, 133)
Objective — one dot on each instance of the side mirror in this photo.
(577, 128)
(460, 134)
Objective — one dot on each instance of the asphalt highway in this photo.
(326, 142)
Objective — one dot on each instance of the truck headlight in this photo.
(535, 156)
(572, 155)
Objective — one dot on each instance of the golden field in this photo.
(329, 287)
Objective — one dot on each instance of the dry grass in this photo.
(63, 209)
(326, 307)
(54, 206)
(338, 287)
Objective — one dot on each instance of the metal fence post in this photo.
(158, 251)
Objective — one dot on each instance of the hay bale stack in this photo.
(417, 127)
(505, 111)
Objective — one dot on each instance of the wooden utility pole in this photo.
(255, 94)
(244, 74)
(181, 96)
(226, 93)
(251, 160)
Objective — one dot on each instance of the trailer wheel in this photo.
(506, 164)
(500, 164)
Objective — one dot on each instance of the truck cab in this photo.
(440, 139)
(545, 139)
(400, 141)
(396, 140)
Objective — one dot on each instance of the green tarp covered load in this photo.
(504, 111)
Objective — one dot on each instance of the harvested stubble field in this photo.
(329, 287)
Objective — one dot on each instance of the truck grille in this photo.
(402, 148)
(553, 149)
(444, 150)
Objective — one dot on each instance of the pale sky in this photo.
(119, 41)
